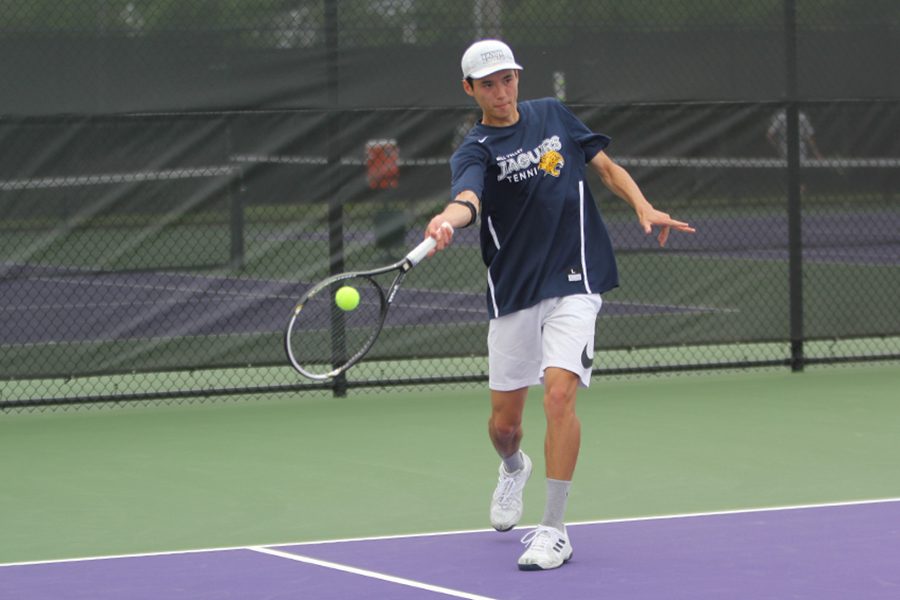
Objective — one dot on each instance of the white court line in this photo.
(671, 307)
(743, 511)
(738, 511)
(371, 574)
(461, 531)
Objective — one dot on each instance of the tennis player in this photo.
(549, 258)
(777, 136)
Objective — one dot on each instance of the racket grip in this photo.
(416, 255)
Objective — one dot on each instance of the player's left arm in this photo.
(620, 183)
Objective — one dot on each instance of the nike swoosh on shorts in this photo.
(586, 361)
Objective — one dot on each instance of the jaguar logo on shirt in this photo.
(551, 163)
(521, 165)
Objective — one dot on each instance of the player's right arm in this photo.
(462, 211)
(467, 166)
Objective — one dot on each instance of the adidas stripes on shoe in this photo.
(547, 548)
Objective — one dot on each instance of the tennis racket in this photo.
(322, 340)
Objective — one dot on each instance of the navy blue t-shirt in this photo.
(542, 235)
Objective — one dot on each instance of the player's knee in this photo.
(504, 429)
(559, 402)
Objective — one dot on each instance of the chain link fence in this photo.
(175, 174)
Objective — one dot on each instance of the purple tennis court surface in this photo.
(846, 551)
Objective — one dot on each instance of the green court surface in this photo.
(289, 468)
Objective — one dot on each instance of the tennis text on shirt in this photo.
(520, 165)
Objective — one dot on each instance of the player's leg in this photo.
(568, 343)
(505, 423)
(568, 350)
(514, 352)
(563, 437)
(505, 431)
(548, 544)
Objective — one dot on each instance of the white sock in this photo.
(514, 462)
(557, 498)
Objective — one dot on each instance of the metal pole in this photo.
(236, 220)
(335, 205)
(795, 211)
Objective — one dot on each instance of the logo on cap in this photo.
(486, 57)
(492, 56)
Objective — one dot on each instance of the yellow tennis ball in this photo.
(347, 298)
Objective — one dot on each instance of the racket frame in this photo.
(403, 266)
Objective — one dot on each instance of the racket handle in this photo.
(416, 255)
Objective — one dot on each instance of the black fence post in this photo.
(236, 218)
(335, 204)
(794, 184)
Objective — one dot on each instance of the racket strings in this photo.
(324, 337)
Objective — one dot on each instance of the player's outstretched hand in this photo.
(441, 231)
(651, 218)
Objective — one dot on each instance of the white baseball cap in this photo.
(486, 57)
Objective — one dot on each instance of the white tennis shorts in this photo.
(557, 332)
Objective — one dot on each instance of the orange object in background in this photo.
(382, 164)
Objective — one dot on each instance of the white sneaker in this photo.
(506, 503)
(548, 548)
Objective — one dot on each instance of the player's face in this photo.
(497, 95)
